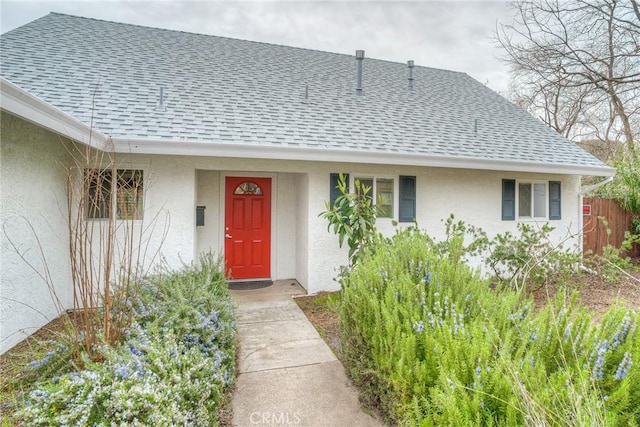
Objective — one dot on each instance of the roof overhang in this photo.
(19, 102)
(190, 148)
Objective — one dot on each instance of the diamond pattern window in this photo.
(122, 194)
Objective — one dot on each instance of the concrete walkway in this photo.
(287, 374)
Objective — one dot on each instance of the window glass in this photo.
(384, 197)
(98, 198)
(248, 188)
(128, 195)
(366, 182)
(524, 202)
(539, 200)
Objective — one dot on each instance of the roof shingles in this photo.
(224, 90)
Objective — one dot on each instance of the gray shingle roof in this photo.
(221, 90)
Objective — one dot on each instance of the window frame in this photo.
(532, 183)
(510, 200)
(114, 205)
(374, 189)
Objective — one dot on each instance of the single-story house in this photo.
(234, 146)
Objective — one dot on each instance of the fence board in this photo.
(597, 235)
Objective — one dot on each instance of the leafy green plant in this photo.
(530, 258)
(457, 233)
(353, 216)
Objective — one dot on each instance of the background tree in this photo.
(576, 65)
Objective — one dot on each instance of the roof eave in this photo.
(21, 103)
(238, 150)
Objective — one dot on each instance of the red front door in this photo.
(247, 225)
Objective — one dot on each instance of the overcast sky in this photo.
(451, 34)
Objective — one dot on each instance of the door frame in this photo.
(274, 231)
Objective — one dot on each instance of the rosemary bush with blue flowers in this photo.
(173, 368)
(431, 343)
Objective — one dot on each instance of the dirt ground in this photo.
(23, 353)
(599, 295)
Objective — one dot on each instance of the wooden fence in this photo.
(595, 231)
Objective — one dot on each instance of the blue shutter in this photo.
(555, 200)
(334, 193)
(407, 207)
(508, 199)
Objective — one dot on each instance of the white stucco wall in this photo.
(302, 230)
(286, 226)
(208, 194)
(33, 215)
(476, 198)
(325, 255)
(171, 197)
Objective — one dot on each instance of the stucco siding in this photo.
(302, 230)
(286, 227)
(208, 195)
(325, 256)
(170, 210)
(33, 216)
(476, 198)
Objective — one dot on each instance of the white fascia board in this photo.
(190, 148)
(21, 103)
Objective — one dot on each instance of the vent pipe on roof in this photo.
(475, 127)
(160, 106)
(410, 66)
(359, 59)
(306, 93)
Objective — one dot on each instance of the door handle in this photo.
(228, 236)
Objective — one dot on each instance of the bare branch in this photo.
(558, 47)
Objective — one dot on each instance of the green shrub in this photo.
(173, 369)
(430, 343)
(530, 258)
(353, 216)
(457, 232)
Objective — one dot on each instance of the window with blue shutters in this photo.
(555, 198)
(526, 200)
(508, 199)
(383, 194)
(407, 202)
